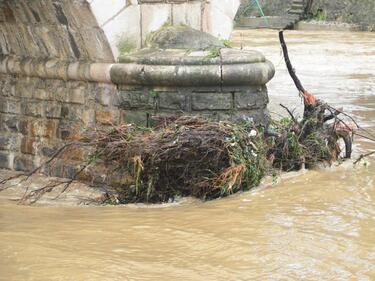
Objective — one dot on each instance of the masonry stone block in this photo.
(88, 117)
(4, 142)
(23, 163)
(33, 109)
(41, 128)
(8, 123)
(68, 131)
(104, 94)
(251, 99)
(72, 112)
(77, 95)
(43, 94)
(172, 100)
(4, 160)
(9, 141)
(212, 101)
(137, 99)
(138, 117)
(24, 127)
(53, 110)
(106, 117)
(28, 145)
(3, 126)
(103, 98)
(47, 150)
(10, 106)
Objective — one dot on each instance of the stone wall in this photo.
(38, 115)
(348, 11)
(44, 47)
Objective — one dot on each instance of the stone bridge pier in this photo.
(65, 66)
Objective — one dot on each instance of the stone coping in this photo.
(193, 75)
(56, 69)
(188, 57)
(232, 69)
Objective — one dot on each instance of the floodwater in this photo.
(316, 226)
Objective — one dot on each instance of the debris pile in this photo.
(187, 157)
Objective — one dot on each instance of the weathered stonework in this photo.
(37, 116)
(58, 77)
(186, 71)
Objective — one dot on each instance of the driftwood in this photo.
(363, 156)
(315, 109)
(342, 128)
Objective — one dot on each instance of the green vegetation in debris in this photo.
(126, 46)
(154, 94)
(187, 157)
(151, 35)
(227, 43)
(213, 52)
(190, 156)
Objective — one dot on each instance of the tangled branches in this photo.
(188, 157)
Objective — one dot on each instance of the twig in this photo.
(364, 156)
(29, 174)
(290, 113)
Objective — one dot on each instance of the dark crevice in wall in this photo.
(36, 15)
(60, 15)
(74, 46)
(8, 13)
(221, 71)
(64, 21)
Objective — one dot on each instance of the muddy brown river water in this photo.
(315, 226)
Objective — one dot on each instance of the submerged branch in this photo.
(360, 158)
